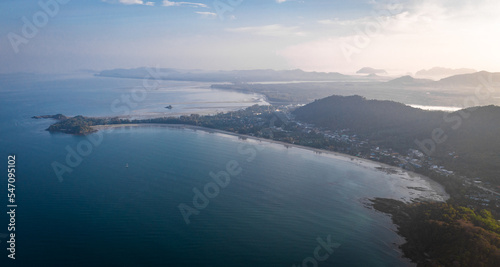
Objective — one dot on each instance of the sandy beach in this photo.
(432, 192)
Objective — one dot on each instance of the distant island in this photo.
(410, 81)
(439, 72)
(368, 70)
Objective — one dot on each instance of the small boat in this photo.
(169, 107)
(126, 165)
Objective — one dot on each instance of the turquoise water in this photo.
(271, 212)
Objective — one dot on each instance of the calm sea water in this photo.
(272, 213)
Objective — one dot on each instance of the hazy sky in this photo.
(319, 35)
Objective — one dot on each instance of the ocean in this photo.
(162, 196)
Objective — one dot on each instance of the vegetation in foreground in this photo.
(440, 234)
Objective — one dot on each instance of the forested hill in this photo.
(466, 140)
(392, 123)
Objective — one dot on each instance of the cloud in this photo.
(283, 1)
(274, 30)
(131, 2)
(172, 3)
(422, 35)
(149, 3)
(207, 15)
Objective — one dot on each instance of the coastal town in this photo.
(276, 122)
(474, 193)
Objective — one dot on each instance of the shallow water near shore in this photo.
(119, 206)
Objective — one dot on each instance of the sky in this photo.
(51, 36)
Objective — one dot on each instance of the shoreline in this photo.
(437, 188)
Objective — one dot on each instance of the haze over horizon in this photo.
(327, 36)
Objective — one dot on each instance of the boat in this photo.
(169, 107)
(126, 165)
